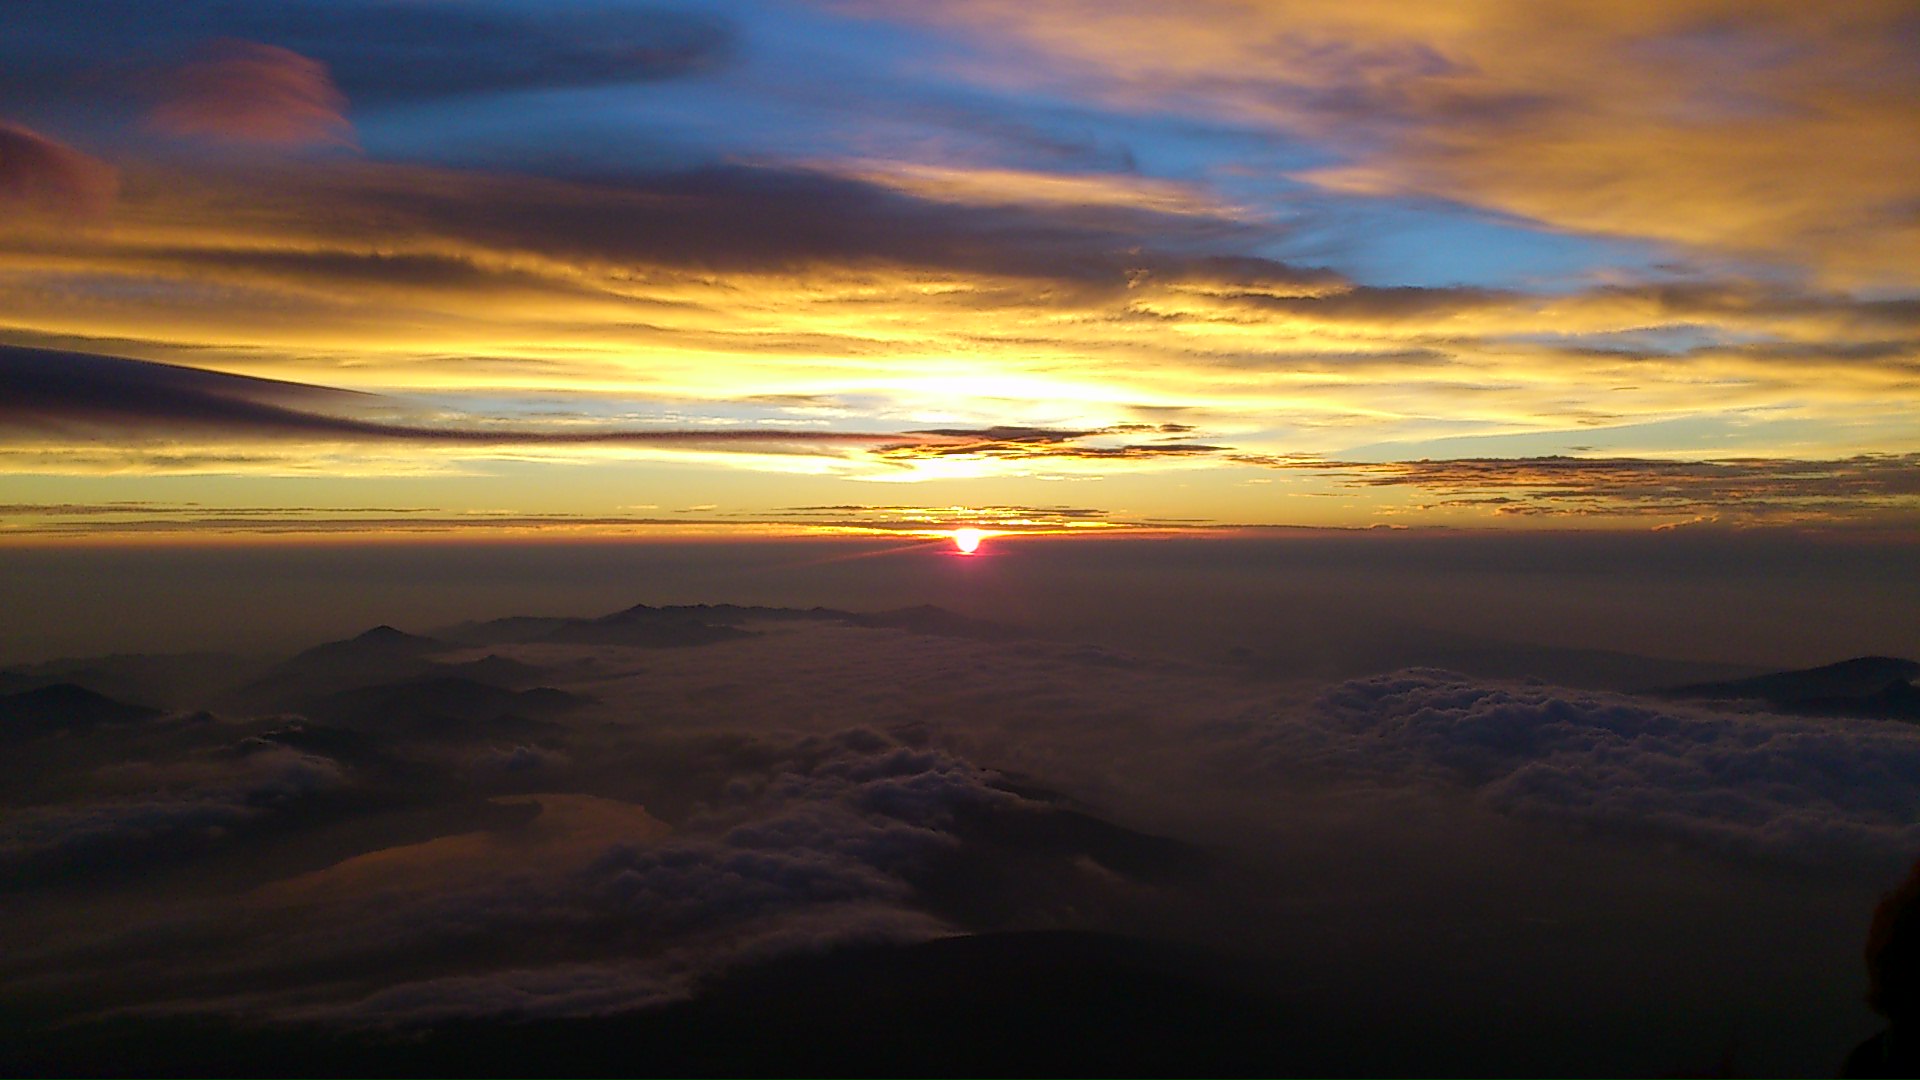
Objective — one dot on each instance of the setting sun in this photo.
(967, 540)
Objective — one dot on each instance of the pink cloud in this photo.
(246, 92)
(40, 173)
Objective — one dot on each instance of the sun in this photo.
(967, 540)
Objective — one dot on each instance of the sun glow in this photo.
(967, 541)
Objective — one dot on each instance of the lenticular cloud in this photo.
(1756, 784)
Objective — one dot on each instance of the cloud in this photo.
(909, 518)
(988, 298)
(1772, 130)
(81, 520)
(381, 51)
(519, 762)
(1034, 444)
(842, 298)
(422, 51)
(146, 508)
(110, 399)
(1739, 489)
(249, 93)
(367, 224)
(40, 174)
(745, 217)
(923, 296)
(810, 841)
(189, 802)
(882, 825)
(1746, 783)
(836, 297)
(65, 406)
(1014, 187)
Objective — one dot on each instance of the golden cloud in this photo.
(815, 299)
(1883, 488)
(1767, 128)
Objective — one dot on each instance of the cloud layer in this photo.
(115, 399)
(809, 784)
(836, 300)
(67, 408)
(173, 809)
(811, 842)
(1752, 784)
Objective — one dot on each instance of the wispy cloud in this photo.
(71, 411)
(109, 399)
(1743, 489)
(1115, 443)
(1772, 130)
(380, 52)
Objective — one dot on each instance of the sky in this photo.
(398, 268)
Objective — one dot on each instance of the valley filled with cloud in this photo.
(526, 821)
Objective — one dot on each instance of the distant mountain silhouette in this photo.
(511, 630)
(380, 655)
(166, 680)
(1373, 649)
(1879, 687)
(442, 707)
(380, 643)
(666, 627)
(495, 671)
(706, 624)
(640, 625)
(928, 619)
(63, 707)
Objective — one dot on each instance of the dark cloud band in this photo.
(114, 399)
